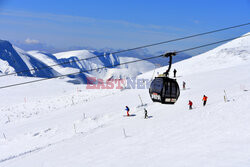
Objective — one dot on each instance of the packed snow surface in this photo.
(57, 124)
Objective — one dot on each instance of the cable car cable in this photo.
(126, 50)
(153, 57)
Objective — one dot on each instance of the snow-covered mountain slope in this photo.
(129, 70)
(65, 125)
(78, 64)
(12, 58)
(5, 67)
(144, 53)
(92, 63)
(233, 53)
(15, 60)
(50, 59)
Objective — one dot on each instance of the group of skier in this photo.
(145, 112)
(204, 99)
(190, 103)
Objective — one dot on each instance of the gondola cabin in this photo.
(164, 90)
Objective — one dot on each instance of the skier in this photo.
(190, 103)
(146, 113)
(204, 100)
(184, 85)
(127, 109)
(175, 73)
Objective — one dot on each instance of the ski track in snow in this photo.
(35, 150)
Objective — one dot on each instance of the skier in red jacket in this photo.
(204, 100)
(190, 103)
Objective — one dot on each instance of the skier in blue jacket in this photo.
(127, 109)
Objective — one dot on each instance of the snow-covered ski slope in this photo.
(57, 124)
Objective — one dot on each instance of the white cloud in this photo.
(31, 41)
(196, 21)
(87, 20)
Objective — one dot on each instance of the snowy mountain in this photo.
(233, 53)
(13, 59)
(144, 53)
(57, 124)
(109, 60)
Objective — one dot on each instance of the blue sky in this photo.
(122, 24)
